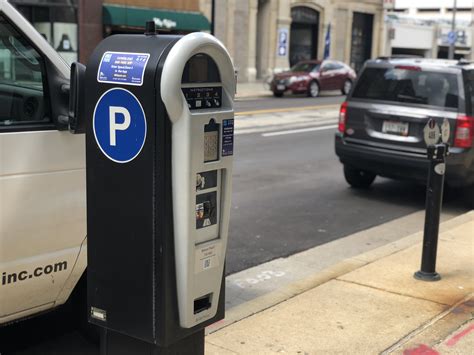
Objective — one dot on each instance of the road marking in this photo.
(302, 130)
(458, 336)
(285, 109)
(282, 126)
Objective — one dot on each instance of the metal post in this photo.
(213, 17)
(434, 200)
(453, 28)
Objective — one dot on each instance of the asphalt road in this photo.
(289, 193)
(264, 103)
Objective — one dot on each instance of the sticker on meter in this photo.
(122, 68)
(227, 137)
(119, 125)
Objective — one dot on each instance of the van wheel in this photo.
(359, 179)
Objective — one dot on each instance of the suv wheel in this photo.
(347, 87)
(359, 179)
(313, 89)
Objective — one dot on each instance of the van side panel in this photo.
(42, 216)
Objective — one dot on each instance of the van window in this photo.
(408, 85)
(21, 80)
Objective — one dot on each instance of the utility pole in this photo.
(213, 17)
(452, 43)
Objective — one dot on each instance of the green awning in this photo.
(131, 16)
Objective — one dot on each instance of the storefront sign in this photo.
(164, 23)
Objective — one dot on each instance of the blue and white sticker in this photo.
(119, 125)
(122, 68)
(227, 137)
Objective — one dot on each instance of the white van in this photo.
(43, 241)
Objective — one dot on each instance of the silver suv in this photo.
(381, 123)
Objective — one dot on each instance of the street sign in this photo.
(119, 125)
(431, 132)
(282, 42)
(452, 36)
(445, 131)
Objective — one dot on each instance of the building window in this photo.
(460, 9)
(428, 10)
(56, 20)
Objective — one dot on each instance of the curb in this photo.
(272, 299)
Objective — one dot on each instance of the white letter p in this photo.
(114, 126)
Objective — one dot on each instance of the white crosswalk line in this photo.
(285, 121)
(303, 130)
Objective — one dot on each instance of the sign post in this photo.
(434, 197)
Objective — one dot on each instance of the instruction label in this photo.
(206, 258)
(122, 68)
(227, 137)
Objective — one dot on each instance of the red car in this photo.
(313, 76)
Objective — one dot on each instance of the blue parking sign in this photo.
(452, 37)
(119, 125)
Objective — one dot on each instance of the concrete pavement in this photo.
(367, 304)
(254, 89)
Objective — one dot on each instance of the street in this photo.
(289, 192)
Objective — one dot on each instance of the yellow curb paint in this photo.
(285, 109)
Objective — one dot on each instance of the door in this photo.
(42, 179)
(328, 76)
(361, 48)
(303, 34)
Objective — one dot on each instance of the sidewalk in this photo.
(369, 304)
(255, 89)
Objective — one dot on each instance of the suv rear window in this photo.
(408, 85)
(470, 90)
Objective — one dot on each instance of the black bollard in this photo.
(434, 199)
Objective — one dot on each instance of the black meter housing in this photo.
(131, 258)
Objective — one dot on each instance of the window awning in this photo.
(131, 16)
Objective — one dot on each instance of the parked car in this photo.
(312, 77)
(381, 122)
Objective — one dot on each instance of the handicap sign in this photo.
(431, 132)
(119, 125)
(445, 131)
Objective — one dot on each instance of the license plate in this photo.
(281, 87)
(395, 127)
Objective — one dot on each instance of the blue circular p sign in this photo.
(119, 125)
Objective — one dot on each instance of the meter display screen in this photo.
(200, 68)
(211, 146)
(203, 98)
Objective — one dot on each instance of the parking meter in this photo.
(159, 148)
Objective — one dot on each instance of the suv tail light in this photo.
(464, 133)
(342, 117)
(408, 67)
